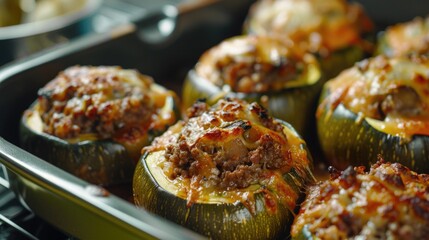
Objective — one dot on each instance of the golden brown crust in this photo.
(108, 102)
(256, 64)
(229, 146)
(392, 90)
(388, 202)
(315, 25)
(407, 38)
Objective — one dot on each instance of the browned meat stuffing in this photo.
(406, 38)
(314, 25)
(394, 91)
(388, 202)
(106, 101)
(229, 146)
(257, 64)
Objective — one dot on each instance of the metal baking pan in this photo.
(164, 44)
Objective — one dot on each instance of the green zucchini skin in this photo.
(216, 221)
(346, 141)
(221, 221)
(339, 60)
(293, 105)
(101, 162)
(382, 46)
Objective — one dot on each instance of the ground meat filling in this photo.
(228, 145)
(388, 202)
(392, 90)
(256, 64)
(383, 87)
(407, 38)
(256, 76)
(316, 25)
(105, 101)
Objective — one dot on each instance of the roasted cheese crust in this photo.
(392, 94)
(232, 151)
(102, 102)
(407, 38)
(315, 25)
(388, 202)
(257, 64)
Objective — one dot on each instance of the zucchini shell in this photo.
(102, 162)
(345, 140)
(218, 220)
(412, 34)
(337, 61)
(98, 162)
(293, 105)
(383, 46)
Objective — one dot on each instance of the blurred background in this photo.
(28, 26)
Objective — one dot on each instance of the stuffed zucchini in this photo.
(388, 202)
(93, 121)
(228, 172)
(378, 107)
(405, 38)
(257, 68)
(336, 31)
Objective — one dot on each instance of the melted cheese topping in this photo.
(406, 38)
(257, 64)
(392, 94)
(91, 103)
(389, 202)
(316, 25)
(229, 153)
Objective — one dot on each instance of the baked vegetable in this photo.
(228, 172)
(93, 121)
(388, 202)
(380, 106)
(262, 69)
(336, 31)
(405, 38)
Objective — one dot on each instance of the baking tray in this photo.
(164, 44)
